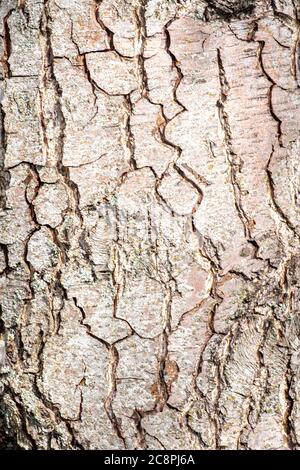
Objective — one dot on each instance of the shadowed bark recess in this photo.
(149, 224)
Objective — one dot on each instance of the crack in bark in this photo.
(288, 427)
(276, 208)
(109, 33)
(111, 373)
(261, 45)
(140, 37)
(4, 174)
(137, 417)
(112, 388)
(17, 399)
(128, 138)
(233, 160)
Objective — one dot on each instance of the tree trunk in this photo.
(150, 229)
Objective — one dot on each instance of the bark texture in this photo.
(150, 230)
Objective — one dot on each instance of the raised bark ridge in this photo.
(149, 243)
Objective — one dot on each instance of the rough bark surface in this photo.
(150, 230)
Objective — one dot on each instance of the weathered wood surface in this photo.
(150, 229)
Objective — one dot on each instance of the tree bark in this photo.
(150, 233)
